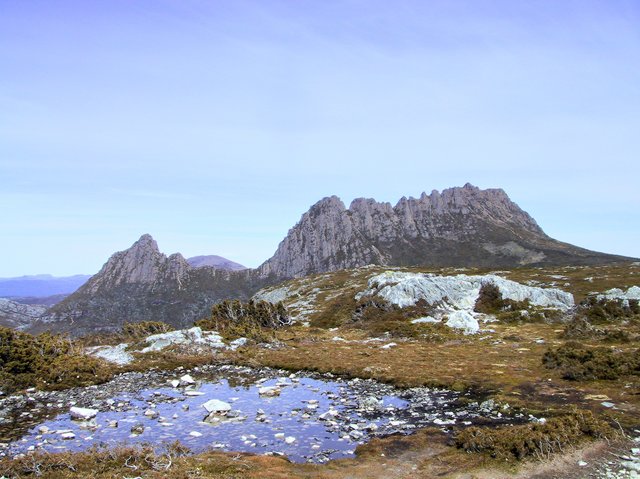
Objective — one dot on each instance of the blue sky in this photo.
(214, 125)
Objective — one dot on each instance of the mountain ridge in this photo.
(458, 227)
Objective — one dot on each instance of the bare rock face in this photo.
(141, 283)
(141, 264)
(463, 226)
(325, 239)
(18, 316)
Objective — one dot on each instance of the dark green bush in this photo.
(144, 329)
(490, 301)
(581, 363)
(255, 319)
(47, 361)
(606, 310)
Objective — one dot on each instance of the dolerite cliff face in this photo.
(143, 264)
(459, 227)
(141, 283)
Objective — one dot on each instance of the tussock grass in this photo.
(128, 462)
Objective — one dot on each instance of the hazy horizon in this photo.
(213, 126)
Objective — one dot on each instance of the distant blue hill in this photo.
(40, 285)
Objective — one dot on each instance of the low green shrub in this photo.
(581, 363)
(377, 317)
(255, 320)
(580, 328)
(536, 440)
(606, 310)
(144, 329)
(490, 301)
(46, 361)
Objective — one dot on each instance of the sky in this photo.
(214, 125)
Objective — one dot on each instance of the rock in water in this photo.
(269, 391)
(82, 414)
(215, 406)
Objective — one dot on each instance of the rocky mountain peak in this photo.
(460, 226)
(145, 242)
(142, 263)
(328, 205)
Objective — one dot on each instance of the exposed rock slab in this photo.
(454, 297)
(458, 292)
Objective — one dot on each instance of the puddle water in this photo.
(314, 418)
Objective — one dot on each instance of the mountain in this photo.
(141, 283)
(461, 227)
(214, 261)
(40, 285)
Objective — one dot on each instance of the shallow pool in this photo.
(312, 418)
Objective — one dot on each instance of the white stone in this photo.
(113, 354)
(269, 391)
(452, 294)
(388, 346)
(616, 293)
(82, 414)
(216, 406)
(193, 393)
(186, 380)
(189, 337)
(463, 320)
(237, 343)
(151, 413)
(67, 436)
(195, 434)
(289, 439)
(425, 319)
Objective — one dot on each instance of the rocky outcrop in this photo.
(453, 298)
(142, 264)
(458, 292)
(459, 227)
(18, 316)
(141, 283)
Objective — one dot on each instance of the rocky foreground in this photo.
(551, 347)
